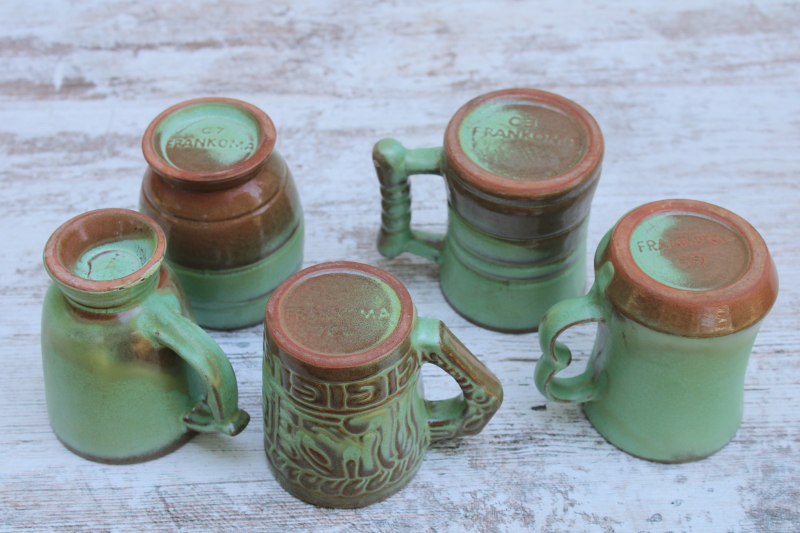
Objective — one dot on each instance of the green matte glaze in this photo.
(346, 423)
(128, 375)
(655, 395)
(223, 299)
(503, 285)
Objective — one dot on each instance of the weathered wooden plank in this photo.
(696, 99)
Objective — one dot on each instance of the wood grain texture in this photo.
(696, 99)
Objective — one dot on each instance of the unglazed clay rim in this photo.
(55, 267)
(670, 309)
(483, 180)
(162, 167)
(291, 348)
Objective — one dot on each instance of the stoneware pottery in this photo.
(345, 420)
(521, 167)
(128, 375)
(228, 205)
(680, 292)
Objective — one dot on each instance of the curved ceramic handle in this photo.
(556, 356)
(219, 411)
(394, 164)
(482, 394)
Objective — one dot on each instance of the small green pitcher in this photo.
(128, 375)
(346, 423)
(681, 290)
(521, 167)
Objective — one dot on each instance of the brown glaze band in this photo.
(688, 313)
(532, 221)
(149, 456)
(228, 228)
(66, 245)
(209, 180)
(350, 367)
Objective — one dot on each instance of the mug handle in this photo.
(218, 412)
(394, 164)
(482, 394)
(557, 356)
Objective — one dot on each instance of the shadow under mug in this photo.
(521, 167)
(346, 423)
(128, 375)
(680, 293)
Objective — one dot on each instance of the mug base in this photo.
(672, 458)
(488, 326)
(508, 306)
(141, 458)
(339, 502)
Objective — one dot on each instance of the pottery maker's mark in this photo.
(524, 128)
(523, 134)
(210, 142)
(521, 140)
(197, 140)
(335, 322)
(693, 241)
(689, 251)
(328, 313)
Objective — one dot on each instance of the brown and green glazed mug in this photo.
(680, 293)
(346, 423)
(521, 167)
(228, 205)
(128, 375)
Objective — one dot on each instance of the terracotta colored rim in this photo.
(261, 153)
(692, 313)
(495, 185)
(76, 235)
(291, 348)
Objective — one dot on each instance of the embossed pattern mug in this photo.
(228, 205)
(521, 167)
(680, 293)
(345, 420)
(128, 375)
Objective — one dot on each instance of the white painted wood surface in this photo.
(696, 99)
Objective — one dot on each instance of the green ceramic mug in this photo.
(228, 205)
(345, 420)
(521, 167)
(128, 375)
(680, 293)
